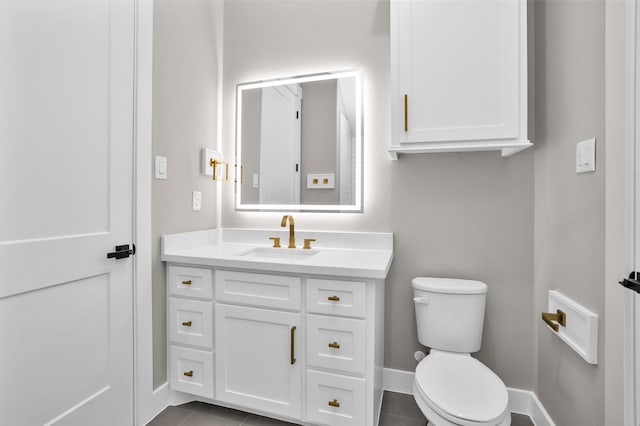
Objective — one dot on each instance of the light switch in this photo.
(586, 156)
(161, 167)
(196, 198)
(255, 180)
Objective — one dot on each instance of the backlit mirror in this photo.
(299, 143)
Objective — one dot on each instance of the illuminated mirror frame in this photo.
(358, 206)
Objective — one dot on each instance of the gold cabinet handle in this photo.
(307, 243)
(188, 373)
(334, 345)
(333, 298)
(334, 403)
(276, 241)
(293, 337)
(187, 323)
(186, 282)
(406, 112)
(559, 316)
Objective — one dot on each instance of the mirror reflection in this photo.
(299, 141)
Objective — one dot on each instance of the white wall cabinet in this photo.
(304, 348)
(458, 76)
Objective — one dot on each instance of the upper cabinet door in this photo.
(459, 75)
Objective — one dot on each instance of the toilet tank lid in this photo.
(449, 285)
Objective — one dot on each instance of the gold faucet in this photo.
(292, 238)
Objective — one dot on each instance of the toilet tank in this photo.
(449, 313)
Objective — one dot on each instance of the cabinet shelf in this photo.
(507, 148)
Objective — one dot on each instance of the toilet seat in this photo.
(461, 389)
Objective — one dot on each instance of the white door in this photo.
(458, 64)
(66, 163)
(280, 145)
(257, 363)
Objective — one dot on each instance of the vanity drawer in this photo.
(336, 343)
(262, 290)
(335, 400)
(190, 282)
(191, 371)
(333, 297)
(191, 322)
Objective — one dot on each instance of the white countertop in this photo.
(346, 254)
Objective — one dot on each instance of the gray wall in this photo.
(319, 139)
(466, 215)
(185, 72)
(569, 208)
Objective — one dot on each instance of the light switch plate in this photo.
(206, 155)
(256, 180)
(161, 167)
(196, 200)
(321, 181)
(586, 156)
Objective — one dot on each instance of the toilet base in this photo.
(435, 419)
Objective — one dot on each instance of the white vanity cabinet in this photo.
(458, 76)
(190, 330)
(298, 347)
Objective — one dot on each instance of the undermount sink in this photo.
(279, 253)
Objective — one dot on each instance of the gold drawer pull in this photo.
(406, 112)
(187, 323)
(293, 344)
(333, 298)
(188, 373)
(187, 282)
(334, 345)
(334, 403)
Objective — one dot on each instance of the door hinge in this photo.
(632, 283)
(122, 252)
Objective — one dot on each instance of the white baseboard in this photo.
(520, 401)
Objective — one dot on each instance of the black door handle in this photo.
(122, 252)
(632, 283)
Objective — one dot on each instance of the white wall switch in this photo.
(586, 156)
(255, 180)
(321, 181)
(161, 167)
(206, 155)
(196, 200)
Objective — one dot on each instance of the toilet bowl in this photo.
(456, 389)
(450, 387)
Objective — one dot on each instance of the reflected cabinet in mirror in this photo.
(299, 143)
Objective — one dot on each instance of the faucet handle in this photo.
(307, 243)
(276, 241)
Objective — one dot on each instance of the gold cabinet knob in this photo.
(276, 241)
(187, 323)
(333, 298)
(334, 403)
(334, 345)
(187, 282)
(188, 373)
(307, 243)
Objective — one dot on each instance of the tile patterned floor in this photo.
(397, 410)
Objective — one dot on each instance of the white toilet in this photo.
(452, 388)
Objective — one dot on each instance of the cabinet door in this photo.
(459, 64)
(256, 363)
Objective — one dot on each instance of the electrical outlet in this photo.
(196, 200)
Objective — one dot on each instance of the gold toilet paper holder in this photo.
(553, 320)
